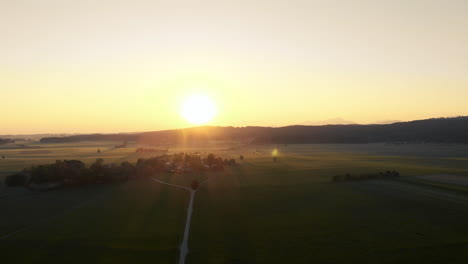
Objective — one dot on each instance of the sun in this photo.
(198, 109)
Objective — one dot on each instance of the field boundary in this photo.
(458, 189)
(438, 194)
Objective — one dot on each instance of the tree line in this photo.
(357, 177)
(6, 141)
(76, 173)
(437, 130)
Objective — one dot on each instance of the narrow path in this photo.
(184, 245)
(175, 185)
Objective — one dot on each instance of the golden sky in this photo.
(117, 66)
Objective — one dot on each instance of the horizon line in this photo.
(220, 126)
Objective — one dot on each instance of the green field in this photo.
(259, 212)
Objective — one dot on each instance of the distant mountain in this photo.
(385, 122)
(332, 121)
(436, 130)
(341, 121)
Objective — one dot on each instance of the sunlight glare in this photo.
(198, 109)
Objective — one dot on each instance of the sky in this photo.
(119, 66)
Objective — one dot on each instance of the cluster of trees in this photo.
(6, 141)
(18, 179)
(74, 172)
(194, 185)
(150, 150)
(183, 162)
(368, 176)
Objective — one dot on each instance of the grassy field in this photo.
(259, 212)
(359, 222)
(137, 222)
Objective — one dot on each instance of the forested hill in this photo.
(437, 130)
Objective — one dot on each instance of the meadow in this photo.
(258, 212)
